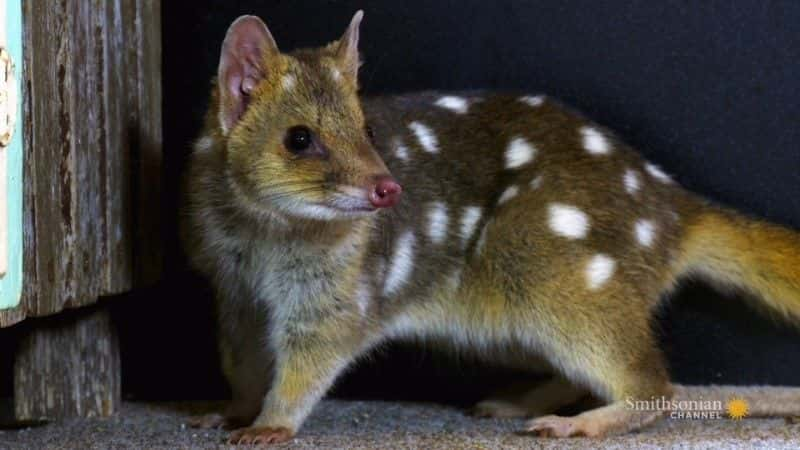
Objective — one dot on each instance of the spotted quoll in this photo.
(504, 225)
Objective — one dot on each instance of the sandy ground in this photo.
(356, 424)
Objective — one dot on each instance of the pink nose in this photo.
(386, 193)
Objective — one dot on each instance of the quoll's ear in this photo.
(347, 53)
(247, 51)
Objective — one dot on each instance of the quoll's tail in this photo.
(762, 401)
(733, 250)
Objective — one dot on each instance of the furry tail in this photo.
(762, 401)
(736, 251)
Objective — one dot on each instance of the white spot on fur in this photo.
(568, 221)
(632, 181)
(508, 194)
(204, 144)
(288, 82)
(519, 152)
(645, 232)
(599, 270)
(594, 141)
(657, 173)
(453, 103)
(425, 137)
(532, 100)
(335, 74)
(400, 149)
(469, 220)
(536, 183)
(437, 222)
(402, 264)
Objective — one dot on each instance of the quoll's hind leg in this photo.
(578, 300)
(613, 418)
(617, 358)
(622, 383)
(525, 399)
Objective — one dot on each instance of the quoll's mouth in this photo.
(351, 208)
(351, 199)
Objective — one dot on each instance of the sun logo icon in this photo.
(738, 408)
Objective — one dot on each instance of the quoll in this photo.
(504, 225)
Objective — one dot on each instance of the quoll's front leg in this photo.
(308, 362)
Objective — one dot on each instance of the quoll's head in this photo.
(296, 139)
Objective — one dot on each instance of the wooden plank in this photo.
(88, 275)
(118, 181)
(93, 143)
(66, 366)
(50, 194)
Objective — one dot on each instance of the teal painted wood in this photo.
(11, 283)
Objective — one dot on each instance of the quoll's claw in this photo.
(260, 436)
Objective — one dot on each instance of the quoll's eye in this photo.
(298, 139)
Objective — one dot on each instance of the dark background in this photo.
(709, 90)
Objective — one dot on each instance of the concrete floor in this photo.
(357, 424)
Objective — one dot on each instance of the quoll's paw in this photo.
(260, 435)
(560, 427)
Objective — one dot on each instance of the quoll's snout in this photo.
(385, 193)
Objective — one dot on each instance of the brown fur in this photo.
(303, 291)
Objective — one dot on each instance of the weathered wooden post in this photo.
(91, 92)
